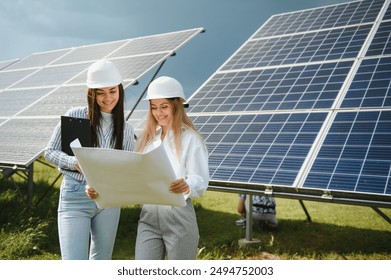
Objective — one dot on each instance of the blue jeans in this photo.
(79, 218)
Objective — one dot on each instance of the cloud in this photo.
(37, 26)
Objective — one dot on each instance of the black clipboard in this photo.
(72, 128)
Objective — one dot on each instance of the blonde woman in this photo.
(168, 231)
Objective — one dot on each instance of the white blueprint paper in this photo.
(123, 177)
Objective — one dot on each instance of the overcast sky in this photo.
(29, 26)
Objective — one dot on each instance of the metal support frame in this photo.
(382, 214)
(27, 173)
(310, 195)
(305, 211)
(30, 181)
(7, 173)
(249, 217)
(145, 90)
(48, 189)
(249, 240)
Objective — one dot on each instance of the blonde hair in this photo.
(179, 120)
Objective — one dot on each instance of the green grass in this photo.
(337, 231)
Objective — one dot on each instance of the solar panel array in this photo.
(304, 105)
(4, 64)
(37, 90)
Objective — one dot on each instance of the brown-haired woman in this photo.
(79, 218)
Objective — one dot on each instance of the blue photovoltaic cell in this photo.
(355, 155)
(264, 149)
(387, 15)
(371, 86)
(301, 48)
(357, 12)
(381, 43)
(312, 86)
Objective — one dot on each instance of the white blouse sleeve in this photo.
(197, 168)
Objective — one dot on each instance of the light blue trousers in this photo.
(81, 221)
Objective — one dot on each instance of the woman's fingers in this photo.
(179, 186)
(91, 193)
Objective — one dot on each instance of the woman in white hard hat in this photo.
(169, 231)
(79, 219)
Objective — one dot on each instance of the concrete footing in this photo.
(245, 242)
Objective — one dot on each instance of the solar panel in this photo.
(88, 53)
(38, 59)
(311, 86)
(22, 139)
(303, 106)
(14, 101)
(51, 76)
(57, 102)
(381, 45)
(371, 86)
(4, 64)
(37, 90)
(352, 13)
(154, 44)
(8, 78)
(314, 46)
(259, 148)
(132, 67)
(355, 155)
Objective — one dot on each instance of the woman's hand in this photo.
(78, 168)
(91, 193)
(179, 186)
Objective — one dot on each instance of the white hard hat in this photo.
(164, 87)
(103, 73)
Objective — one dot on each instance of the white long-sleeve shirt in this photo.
(193, 163)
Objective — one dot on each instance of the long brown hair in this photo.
(95, 117)
(179, 120)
